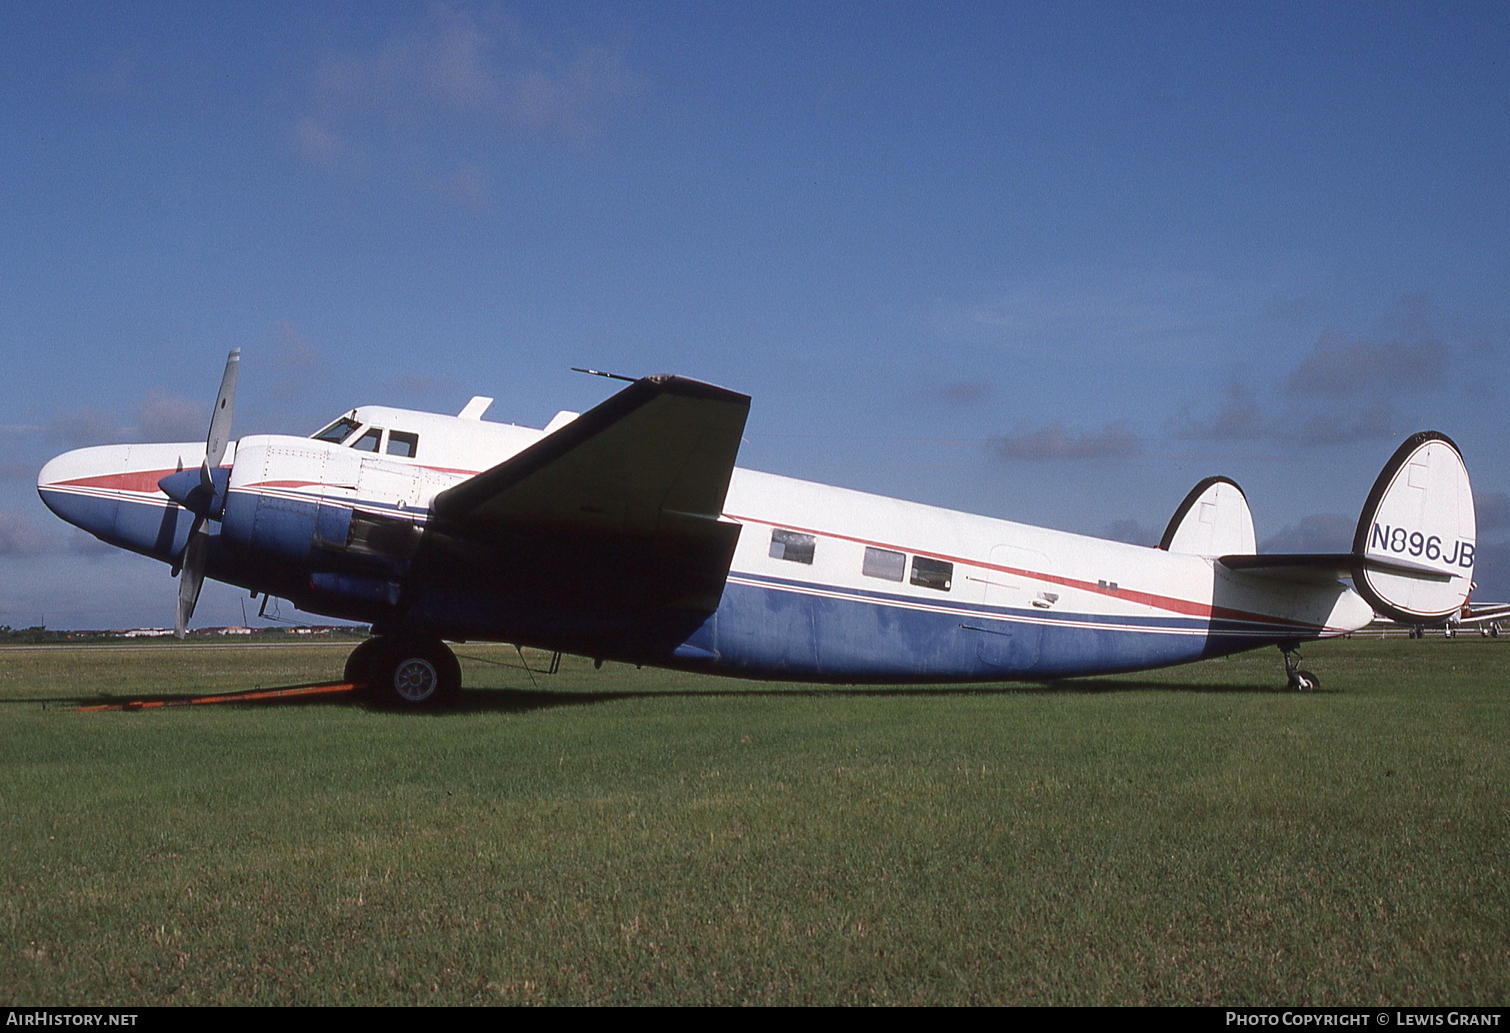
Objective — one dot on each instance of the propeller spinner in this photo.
(202, 495)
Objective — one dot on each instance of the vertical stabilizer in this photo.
(1415, 537)
(1212, 521)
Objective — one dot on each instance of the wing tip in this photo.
(671, 383)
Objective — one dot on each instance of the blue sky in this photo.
(1053, 263)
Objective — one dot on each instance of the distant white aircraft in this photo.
(1486, 618)
(627, 533)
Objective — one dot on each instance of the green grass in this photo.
(1194, 835)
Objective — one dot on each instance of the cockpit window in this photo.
(368, 442)
(338, 431)
(402, 443)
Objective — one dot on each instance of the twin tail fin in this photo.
(1413, 549)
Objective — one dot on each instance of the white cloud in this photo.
(966, 392)
(1131, 532)
(296, 360)
(1491, 510)
(1055, 442)
(1339, 365)
(317, 143)
(87, 425)
(20, 536)
(1104, 312)
(455, 79)
(165, 417)
(1242, 416)
(1319, 532)
(469, 185)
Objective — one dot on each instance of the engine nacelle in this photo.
(351, 521)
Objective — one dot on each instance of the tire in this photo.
(415, 674)
(359, 663)
(1305, 681)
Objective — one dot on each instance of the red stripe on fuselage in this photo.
(144, 481)
(1186, 607)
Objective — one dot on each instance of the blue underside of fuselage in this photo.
(766, 628)
(763, 628)
(158, 531)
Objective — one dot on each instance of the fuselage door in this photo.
(1004, 643)
(1006, 581)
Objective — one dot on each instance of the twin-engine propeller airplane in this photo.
(627, 533)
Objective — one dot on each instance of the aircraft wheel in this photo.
(359, 663)
(1304, 681)
(415, 674)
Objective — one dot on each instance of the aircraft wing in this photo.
(621, 507)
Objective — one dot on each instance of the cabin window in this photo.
(368, 442)
(338, 431)
(792, 546)
(403, 444)
(932, 573)
(884, 563)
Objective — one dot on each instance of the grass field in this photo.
(1195, 835)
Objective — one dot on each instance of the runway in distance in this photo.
(627, 533)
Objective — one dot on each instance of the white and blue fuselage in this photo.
(825, 583)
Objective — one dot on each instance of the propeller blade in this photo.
(192, 578)
(178, 562)
(220, 420)
(189, 567)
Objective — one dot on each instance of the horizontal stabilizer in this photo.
(1321, 568)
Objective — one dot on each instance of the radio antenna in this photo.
(600, 373)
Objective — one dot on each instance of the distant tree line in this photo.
(32, 634)
(38, 633)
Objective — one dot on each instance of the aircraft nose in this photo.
(112, 492)
(80, 486)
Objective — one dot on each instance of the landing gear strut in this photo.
(1300, 681)
(411, 672)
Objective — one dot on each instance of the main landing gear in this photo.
(407, 671)
(1300, 681)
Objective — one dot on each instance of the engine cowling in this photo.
(346, 522)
